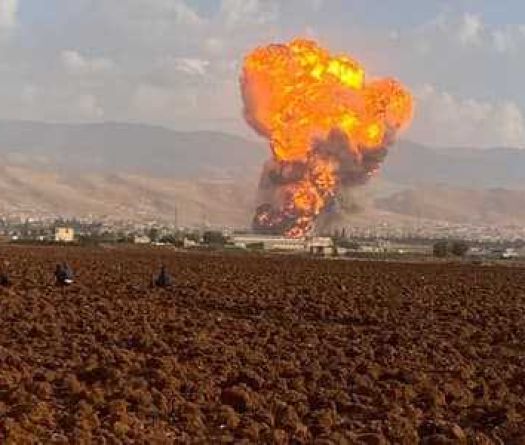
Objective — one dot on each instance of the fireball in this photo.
(320, 115)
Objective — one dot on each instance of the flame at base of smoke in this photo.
(294, 193)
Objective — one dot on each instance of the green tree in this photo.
(153, 234)
(255, 246)
(214, 238)
(347, 244)
(441, 249)
(459, 248)
(172, 239)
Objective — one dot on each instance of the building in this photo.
(322, 246)
(189, 243)
(409, 249)
(314, 245)
(510, 253)
(267, 242)
(64, 235)
(142, 239)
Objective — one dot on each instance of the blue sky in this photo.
(371, 12)
(176, 62)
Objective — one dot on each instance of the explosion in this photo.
(328, 128)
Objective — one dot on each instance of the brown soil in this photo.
(249, 349)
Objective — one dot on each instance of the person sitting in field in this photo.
(4, 279)
(164, 279)
(64, 274)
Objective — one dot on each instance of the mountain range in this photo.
(136, 171)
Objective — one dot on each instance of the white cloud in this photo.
(29, 94)
(89, 107)
(445, 120)
(177, 11)
(513, 124)
(502, 41)
(317, 5)
(509, 39)
(470, 30)
(186, 65)
(77, 64)
(182, 11)
(154, 101)
(246, 12)
(8, 13)
(209, 103)
(174, 64)
(152, 16)
(214, 45)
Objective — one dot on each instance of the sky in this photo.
(176, 62)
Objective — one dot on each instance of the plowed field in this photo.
(250, 349)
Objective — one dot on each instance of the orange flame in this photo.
(297, 93)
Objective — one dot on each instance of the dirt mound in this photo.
(259, 350)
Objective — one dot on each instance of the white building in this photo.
(318, 245)
(188, 243)
(314, 245)
(64, 235)
(142, 239)
(510, 253)
(269, 242)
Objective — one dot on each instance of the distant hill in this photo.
(134, 171)
(123, 196)
(114, 147)
(410, 163)
(157, 151)
(460, 205)
(230, 202)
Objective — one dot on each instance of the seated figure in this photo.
(164, 279)
(64, 274)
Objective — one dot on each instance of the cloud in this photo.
(154, 101)
(8, 13)
(246, 12)
(214, 45)
(473, 32)
(151, 16)
(176, 11)
(470, 30)
(446, 120)
(186, 65)
(55, 103)
(77, 64)
(209, 106)
(317, 5)
(162, 61)
(509, 39)
(29, 94)
(182, 12)
(88, 106)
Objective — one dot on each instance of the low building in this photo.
(64, 235)
(313, 245)
(409, 249)
(268, 242)
(510, 253)
(323, 246)
(189, 243)
(141, 239)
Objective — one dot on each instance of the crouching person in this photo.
(64, 275)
